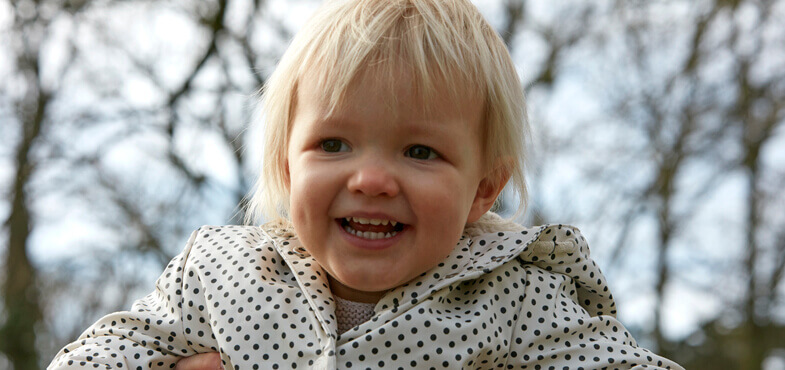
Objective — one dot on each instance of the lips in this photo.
(371, 228)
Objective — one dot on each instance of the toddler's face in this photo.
(380, 192)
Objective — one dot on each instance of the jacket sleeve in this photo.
(150, 335)
(567, 316)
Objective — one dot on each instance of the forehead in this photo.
(395, 91)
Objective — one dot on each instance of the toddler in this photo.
(392, 127)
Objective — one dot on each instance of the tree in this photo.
(657, 126)
(691, 101)
(76, 116)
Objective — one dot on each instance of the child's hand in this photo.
(202, 361)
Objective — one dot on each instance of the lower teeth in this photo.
(370, 234)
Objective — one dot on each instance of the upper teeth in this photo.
(372, 221)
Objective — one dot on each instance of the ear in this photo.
(489, 189)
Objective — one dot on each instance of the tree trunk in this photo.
(20, 293)
(755, 350)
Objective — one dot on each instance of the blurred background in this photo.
(658, 130)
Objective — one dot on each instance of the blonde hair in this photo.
(447, 47)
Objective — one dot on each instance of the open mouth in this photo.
(370, 228)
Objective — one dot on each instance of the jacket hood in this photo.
(556, 248)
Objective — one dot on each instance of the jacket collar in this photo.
(557, 248)
(472, 257)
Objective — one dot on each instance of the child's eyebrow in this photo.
(426, 127)
(337, 122)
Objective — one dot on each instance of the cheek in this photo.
(312, 188)
(447, 203)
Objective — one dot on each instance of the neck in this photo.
(354, 295)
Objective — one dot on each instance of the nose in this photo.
(374, 179)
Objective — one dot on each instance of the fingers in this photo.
(202, 361)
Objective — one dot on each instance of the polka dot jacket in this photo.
(527, 299)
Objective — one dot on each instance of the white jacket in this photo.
(530, 298)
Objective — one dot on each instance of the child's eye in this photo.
(334, 146)
(421, 152)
